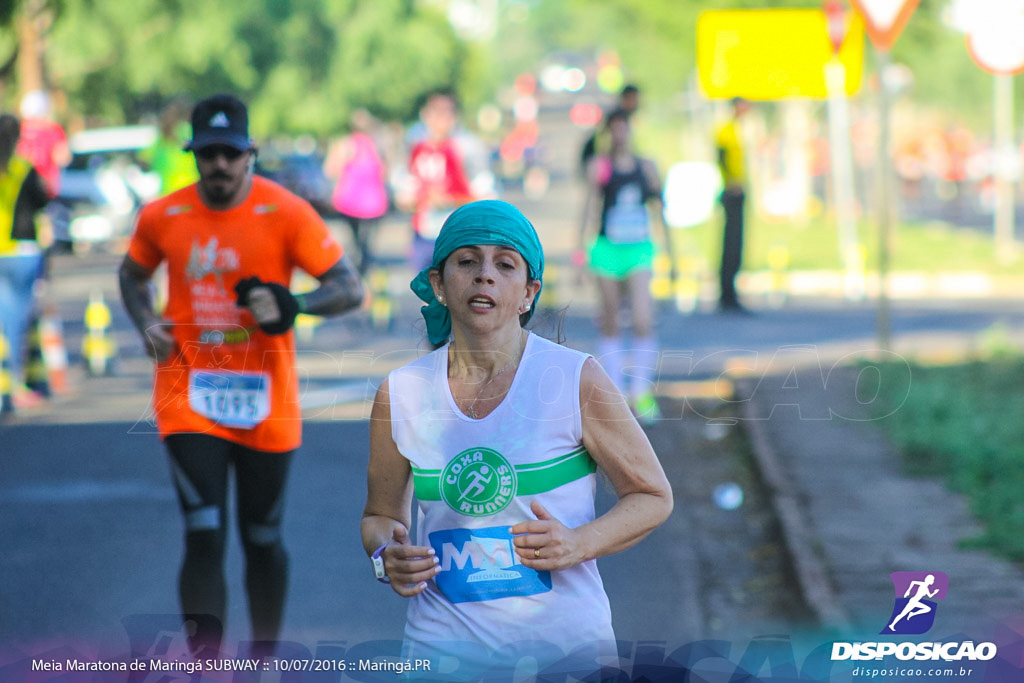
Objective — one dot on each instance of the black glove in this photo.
(287, 306)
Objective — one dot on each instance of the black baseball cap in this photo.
(220, 120)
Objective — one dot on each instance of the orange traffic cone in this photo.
(55, 353)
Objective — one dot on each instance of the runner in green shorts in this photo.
(621, 257)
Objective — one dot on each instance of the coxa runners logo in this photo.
(914, 609)
(478, 482)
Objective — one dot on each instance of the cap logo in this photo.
(220, 120)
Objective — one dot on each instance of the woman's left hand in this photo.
(547, 544)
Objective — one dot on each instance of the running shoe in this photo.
(25, 398)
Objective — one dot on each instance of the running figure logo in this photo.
(478, 482)
(914, 609)
(209, 259)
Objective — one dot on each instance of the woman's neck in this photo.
(487, 356)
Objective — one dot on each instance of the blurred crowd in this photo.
(943, 170)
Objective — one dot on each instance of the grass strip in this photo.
(964, 423)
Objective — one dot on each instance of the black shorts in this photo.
(201, 466)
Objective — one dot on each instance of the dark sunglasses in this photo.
(211, 152)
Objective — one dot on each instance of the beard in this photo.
(220, 188)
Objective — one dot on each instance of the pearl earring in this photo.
(526, 309)
(440, 300)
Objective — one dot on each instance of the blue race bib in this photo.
(481, 564)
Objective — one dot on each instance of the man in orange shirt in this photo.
(226, 390)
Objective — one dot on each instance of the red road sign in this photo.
(884, 19)
(835, 22)
(995, 44)
(1008, 61)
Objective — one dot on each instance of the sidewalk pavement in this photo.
(851, 517)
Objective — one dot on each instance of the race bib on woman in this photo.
(233, 399)
(627, 224)
(481, 564)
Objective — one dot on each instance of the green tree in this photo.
(303, 65)
(24, 27)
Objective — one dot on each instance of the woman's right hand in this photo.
(409, 566)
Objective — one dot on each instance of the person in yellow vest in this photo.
(22, 194)
(175, 166)
(732, 164)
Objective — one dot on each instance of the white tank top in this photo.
(474, 478)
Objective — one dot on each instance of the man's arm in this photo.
(274, 307)
(134, 279)
(340, 290)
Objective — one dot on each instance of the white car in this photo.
(102, 187)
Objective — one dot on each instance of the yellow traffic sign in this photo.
(773, 54)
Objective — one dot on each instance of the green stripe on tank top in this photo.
(534, 478)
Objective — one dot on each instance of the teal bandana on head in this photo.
(489, 221)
